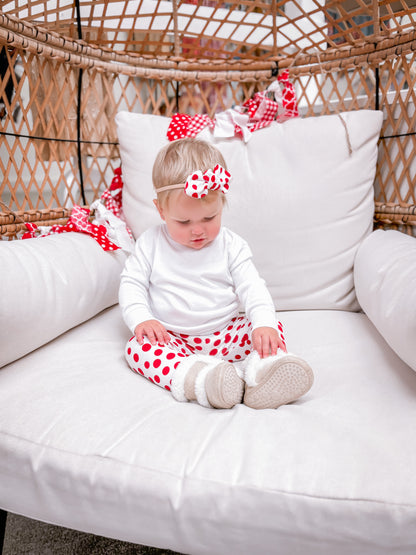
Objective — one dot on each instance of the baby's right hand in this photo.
(153, 330)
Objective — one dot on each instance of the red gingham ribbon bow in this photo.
(112, 197)
(199, 183)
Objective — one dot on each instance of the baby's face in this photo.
(191, 222)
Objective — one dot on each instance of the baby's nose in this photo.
(197, 230)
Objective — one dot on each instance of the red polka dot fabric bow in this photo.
(78, 221)
(199, 183)
(289, 99)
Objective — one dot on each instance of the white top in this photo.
(192, 291)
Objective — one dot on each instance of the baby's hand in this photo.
(153, 330)
(266, 341)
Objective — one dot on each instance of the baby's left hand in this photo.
(266, 341)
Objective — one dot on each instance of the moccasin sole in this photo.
(287, 379)
(223, 386)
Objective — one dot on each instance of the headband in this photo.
(199, 183)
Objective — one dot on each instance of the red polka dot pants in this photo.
(158, 362)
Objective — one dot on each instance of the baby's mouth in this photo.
(197, 241)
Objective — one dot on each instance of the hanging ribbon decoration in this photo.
(256, 113)
(108, 212)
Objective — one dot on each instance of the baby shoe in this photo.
(275, 380)
(209, 381)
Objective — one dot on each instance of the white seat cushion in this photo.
(88, 444)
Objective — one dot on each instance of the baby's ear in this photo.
(159, 208)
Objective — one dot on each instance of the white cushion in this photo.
(88, 444)
(50, 284)
(385, 280)
(298, 197)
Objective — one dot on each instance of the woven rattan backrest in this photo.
(68, 67)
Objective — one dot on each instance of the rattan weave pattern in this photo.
(59, 93)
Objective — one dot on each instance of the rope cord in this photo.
(177, 95)
(35, 137)
(346, 134)
(80, 72)
(377, 88)
(383, 137)
(103, 143)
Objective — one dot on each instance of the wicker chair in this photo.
(67, 69)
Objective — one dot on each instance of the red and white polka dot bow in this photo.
(78, 222)
(199, 183)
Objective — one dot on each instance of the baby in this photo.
(182, 288)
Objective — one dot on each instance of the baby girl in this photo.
(182, 289)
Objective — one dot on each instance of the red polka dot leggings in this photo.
(158, 362)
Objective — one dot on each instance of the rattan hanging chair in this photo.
(89, 445)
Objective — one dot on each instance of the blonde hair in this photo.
(178, 159)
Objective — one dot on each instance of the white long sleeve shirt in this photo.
(195, 292)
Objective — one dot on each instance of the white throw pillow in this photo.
(49, 285)
(385, 281)
(298, 196)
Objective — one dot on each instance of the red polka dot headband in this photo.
(199, 183)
